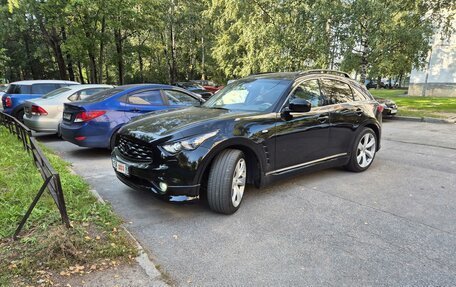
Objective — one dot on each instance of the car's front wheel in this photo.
(227, 180)
(363, 152)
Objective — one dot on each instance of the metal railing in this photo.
(50, 176)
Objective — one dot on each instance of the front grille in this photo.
(134, 150)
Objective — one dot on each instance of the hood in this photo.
(178, 124)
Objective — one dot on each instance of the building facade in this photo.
(438, 77)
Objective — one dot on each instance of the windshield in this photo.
(103, 95)
(55, 93)
(249, 95)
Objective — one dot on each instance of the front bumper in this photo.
(148, 176)
(389, 110)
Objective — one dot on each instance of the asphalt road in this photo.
(392, 225)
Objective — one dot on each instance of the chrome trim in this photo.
(306, 163)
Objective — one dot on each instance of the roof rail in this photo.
(325, 71)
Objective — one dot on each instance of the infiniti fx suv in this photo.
(253, 131)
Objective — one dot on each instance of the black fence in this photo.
(50, 177)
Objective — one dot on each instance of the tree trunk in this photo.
(400, 81)
(93, 68)
(68, 56)
(119, 49)
(101, 56)
(203, 67)
(363, 72)
(379, 82)
(364, 63)
(81, 76)
(141, 67)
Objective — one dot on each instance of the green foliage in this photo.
(130, 41)
(44, 242)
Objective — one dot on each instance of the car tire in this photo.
(20, 115)
(227, 181)
(363, 151)
(59, 132)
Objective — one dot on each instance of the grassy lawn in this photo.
(436, 107)
(46, 249)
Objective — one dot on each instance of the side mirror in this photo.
(299, 105)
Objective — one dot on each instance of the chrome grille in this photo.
(134, 150)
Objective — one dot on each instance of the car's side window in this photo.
(358, 96)
(149, 98)
(309, 90)
(43, 88)
(81, 95)
(338, 92)
(179, 98)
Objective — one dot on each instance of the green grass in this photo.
(45, 246)
(436, 107)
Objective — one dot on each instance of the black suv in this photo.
(253, 131)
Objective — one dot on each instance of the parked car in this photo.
(253, 131)
(94, 121)
(389, 106)
(45, 114)
(371, 84)
(2, 92)
(19, 92)
(195, 88)
(208, 85)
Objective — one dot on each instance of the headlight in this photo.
(188, 144)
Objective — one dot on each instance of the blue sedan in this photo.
(94, 121)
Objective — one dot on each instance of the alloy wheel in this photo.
(366, 150)
(238, 184)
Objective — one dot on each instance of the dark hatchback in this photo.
(253, 131)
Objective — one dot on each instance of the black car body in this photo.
(195, 88)
(389, 106)
(180, 154)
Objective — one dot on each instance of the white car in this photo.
(45, 114)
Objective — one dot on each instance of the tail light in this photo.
(87, 116)
(38, 111)
(380, 108)
(8, 102)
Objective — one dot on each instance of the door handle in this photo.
(359, 112)
(134, 110)
(322, 118)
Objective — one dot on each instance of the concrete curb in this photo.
(143, 258)
(424, 119)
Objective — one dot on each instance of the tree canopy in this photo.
(132, 41)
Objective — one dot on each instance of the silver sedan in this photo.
(45, 114)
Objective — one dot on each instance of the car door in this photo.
(142, 102)
(177, 99)
(344, 115)
(303, 137)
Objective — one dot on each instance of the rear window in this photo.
(44, 88)
(18, 89)
(103, 95)
(55, 93)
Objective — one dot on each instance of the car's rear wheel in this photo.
(363, 152)
(20, 115)
(227, 180)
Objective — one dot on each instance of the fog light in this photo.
(163, 186)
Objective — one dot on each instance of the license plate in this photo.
(122, 168)
(67, 116)
(393, 111)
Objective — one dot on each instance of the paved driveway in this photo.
(392, 225)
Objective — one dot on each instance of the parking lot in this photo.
(392, 225)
